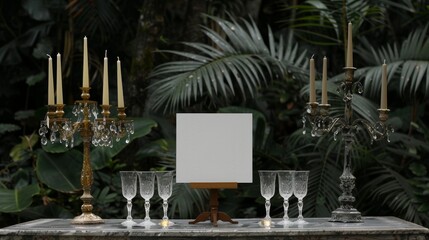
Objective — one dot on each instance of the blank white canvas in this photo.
(214, 147)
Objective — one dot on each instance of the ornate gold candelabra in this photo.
(98, 131)
(322, 123)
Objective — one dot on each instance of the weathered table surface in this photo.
(316, 228)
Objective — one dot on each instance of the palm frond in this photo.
(236, 66)
(321, 22)
(409, 64)
(187, 202)
(394, 191)
(96, 17)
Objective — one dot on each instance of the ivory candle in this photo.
(50, 82)
(312, 81)
(120, 91)
(85, 63)
(349, 62)
(325, 81)
(105, 81)
(59, 81)
(383, 101)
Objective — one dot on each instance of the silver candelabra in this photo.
(321, 123)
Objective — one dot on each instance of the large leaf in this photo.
(17, 200)
(60, 171)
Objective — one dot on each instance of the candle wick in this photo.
(48, 55)
(312, 55)
(118, 58)
(105, 53)
(384, 61)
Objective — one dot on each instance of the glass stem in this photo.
(267, 209)
(146, 207)
(129, 207)
(300, 205)
(286, 208)
(165, 208)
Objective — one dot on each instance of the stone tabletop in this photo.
(316, 228)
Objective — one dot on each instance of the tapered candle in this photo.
(85, 63)
(59, 81)
(383, 101)
(325, 81)
(50, 82)
(120, 91)
(349, 62)
(105, 81)
(312, 81)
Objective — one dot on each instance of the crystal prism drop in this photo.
(44, 140)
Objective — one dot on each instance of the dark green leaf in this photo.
(22, 151)
(33, 79)
(7, 127)
(60, 171)
(18, 199)
(51, 210)
(418, 169)
(36, 9)
(25, 114)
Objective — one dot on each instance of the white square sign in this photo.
(214, 147)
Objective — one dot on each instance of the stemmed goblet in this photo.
(165, 189)
(286, 183)
(268, 183)
(129, 191)
(147, 182)
(300, 190)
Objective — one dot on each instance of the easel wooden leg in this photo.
(214, 215)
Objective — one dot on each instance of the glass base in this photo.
(301, 221)
(147, 223)
(128, 223)
(285, 222)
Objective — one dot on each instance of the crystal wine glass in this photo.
(268, 184)
(129, 191)
(300, 190)
(147, 182)
(165, 189)
(286, 179)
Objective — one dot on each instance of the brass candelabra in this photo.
(321, 123)
(98, 131)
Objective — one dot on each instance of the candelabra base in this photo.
(346, 215)
(87, 218)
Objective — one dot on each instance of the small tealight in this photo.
(164, 223)
(265, 223)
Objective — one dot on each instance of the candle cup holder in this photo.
(321, 123)
(98, 131)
